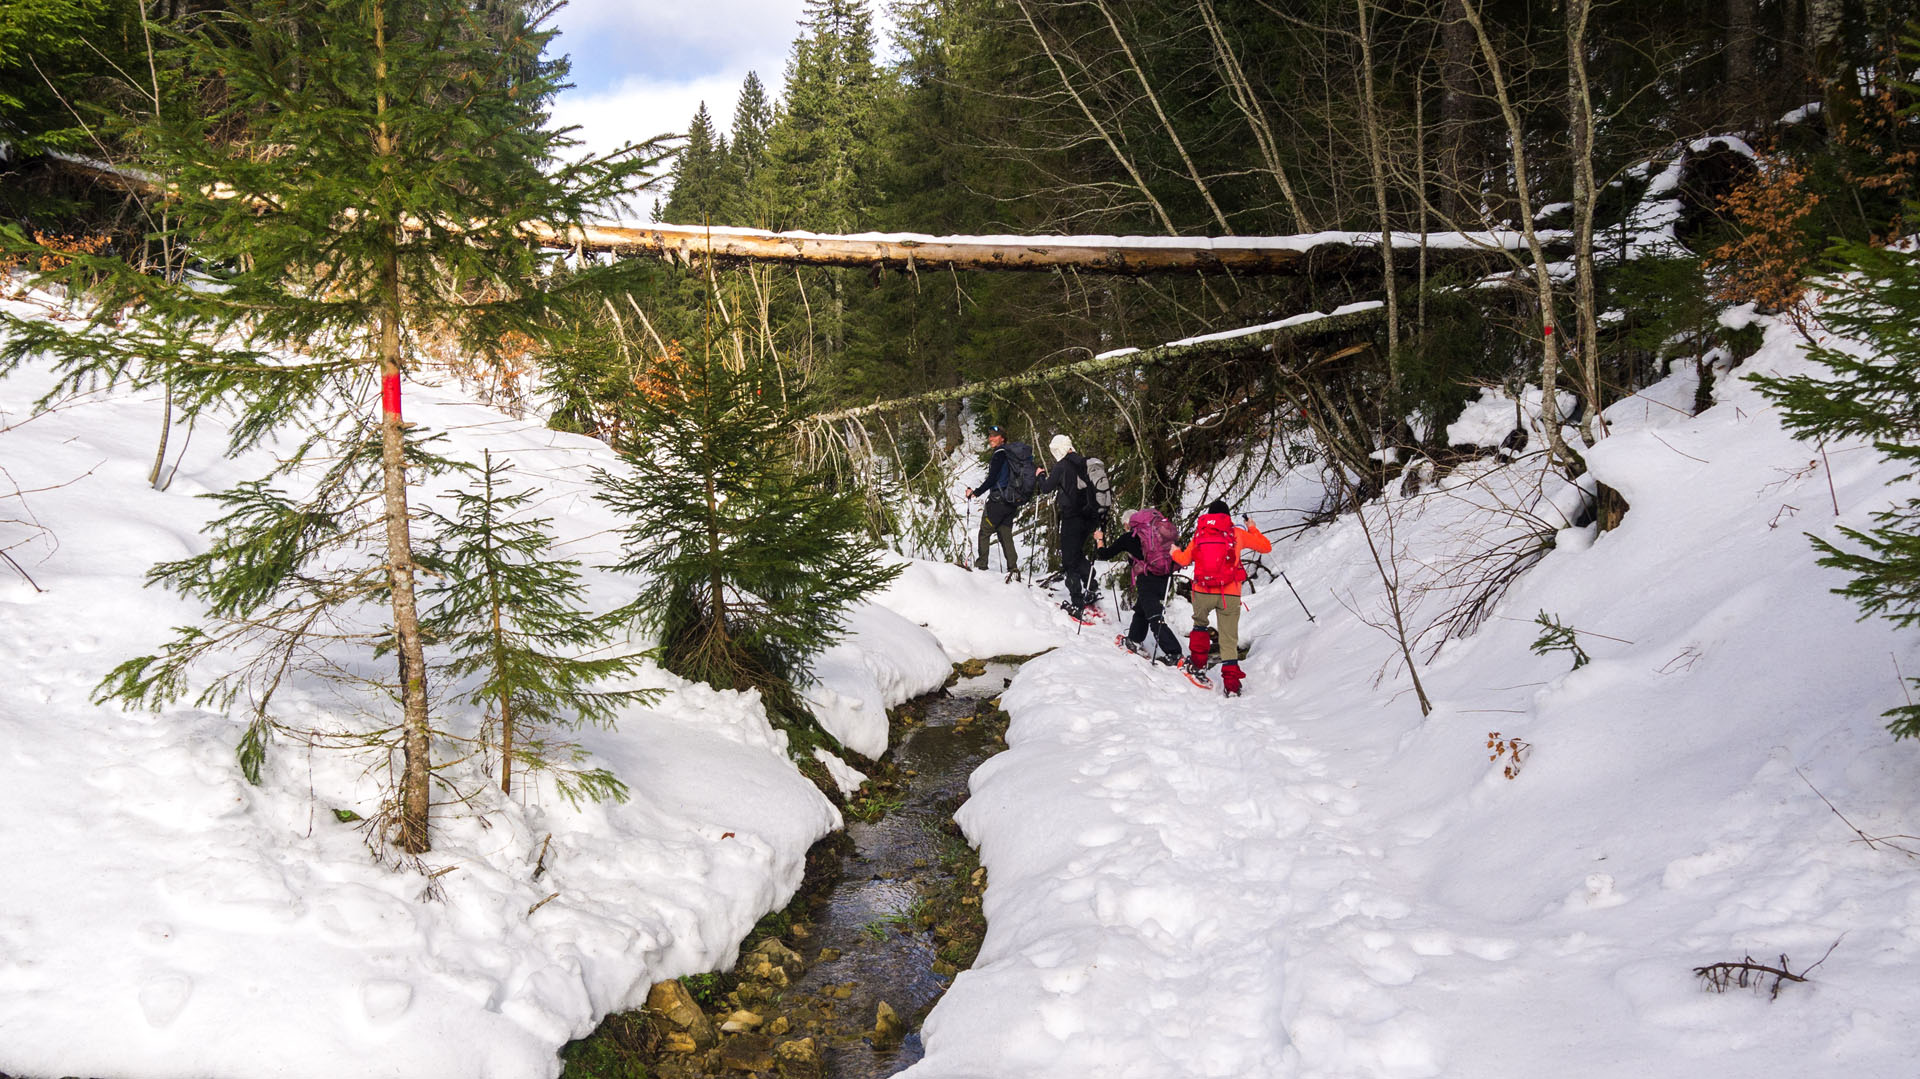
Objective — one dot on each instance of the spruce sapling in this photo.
(511, 614)
(1872, 394)
(352, 177)
(750, 560)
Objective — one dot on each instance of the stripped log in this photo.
(1246, 339)
(1309, 254)
(1133, 256)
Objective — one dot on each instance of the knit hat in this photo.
(1130, 515)
(1218, 505)
(1061, 446)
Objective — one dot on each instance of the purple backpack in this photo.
(1157, 536)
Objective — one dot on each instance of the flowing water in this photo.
(871, 917)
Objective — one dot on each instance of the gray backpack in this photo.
(1099, 487)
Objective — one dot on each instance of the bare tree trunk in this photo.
(1193, 172)
(415, 729)
(1377, 163)
(1454, 161)
(1563, 455)
(1743, 41)
(416, 741)
(1593, 426)
(1241, 90)
(1139, 182)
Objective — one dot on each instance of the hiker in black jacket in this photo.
(996, 519)
(1148, 541)
(1079, 517)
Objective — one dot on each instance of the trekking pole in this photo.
(1296, 595)
(965, 532)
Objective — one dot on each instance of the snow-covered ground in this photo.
(1312, 880)
(161, 917)
(1316, 881)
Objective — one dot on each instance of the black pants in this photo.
(1074, 563)
(997, 520)
(1148, 607)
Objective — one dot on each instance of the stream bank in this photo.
(835, 985)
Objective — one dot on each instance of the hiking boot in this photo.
(1166, 659)
(1134, 647)
(1196, 675)
(979, 563)
(1230, 677)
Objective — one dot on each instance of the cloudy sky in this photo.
(641, 67)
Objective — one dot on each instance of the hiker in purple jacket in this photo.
(1148, 541)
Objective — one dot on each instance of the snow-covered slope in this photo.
(1313, 880)
(1316, 881)
(160, 917)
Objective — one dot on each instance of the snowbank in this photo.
(163, 918)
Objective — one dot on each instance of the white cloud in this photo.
(641, 107)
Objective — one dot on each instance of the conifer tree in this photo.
(1875, 396)
(748, 203)
(510, 613)
(370, 176)
(823, 145)
(698, 174)
(749, 560)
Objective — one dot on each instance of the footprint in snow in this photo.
(163, 996)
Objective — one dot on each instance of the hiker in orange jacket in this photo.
(1214, 554)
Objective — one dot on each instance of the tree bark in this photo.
(416, 737)
(1193, 171)
(1377, 163)
(1243, 99)
(1563, 455)
(1743, 43)
(1454, 161)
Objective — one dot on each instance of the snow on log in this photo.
(1309, 253)
(1265, 335)
(1318, 252)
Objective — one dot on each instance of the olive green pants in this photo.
(1204, 604)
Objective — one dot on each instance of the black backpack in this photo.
(1017, 479)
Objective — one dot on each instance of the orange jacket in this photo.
(1249, 538)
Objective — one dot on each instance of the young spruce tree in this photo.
(750, 560)
(1875, 396)
(374, 170)
(512, 616)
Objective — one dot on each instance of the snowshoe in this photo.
(1086, 616)
(1196, 675)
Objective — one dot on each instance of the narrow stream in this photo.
(870, 929)
(889, 914)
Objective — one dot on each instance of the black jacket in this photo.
(1128, 544)
(1072, 491)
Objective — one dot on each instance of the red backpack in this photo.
(1216, 556)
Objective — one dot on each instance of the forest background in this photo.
(1209, 118)
(1789, 123)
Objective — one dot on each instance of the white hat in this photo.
(1061, 446)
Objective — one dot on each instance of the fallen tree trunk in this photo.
(1314, 253)
(1266, 335)
(1304, 255)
